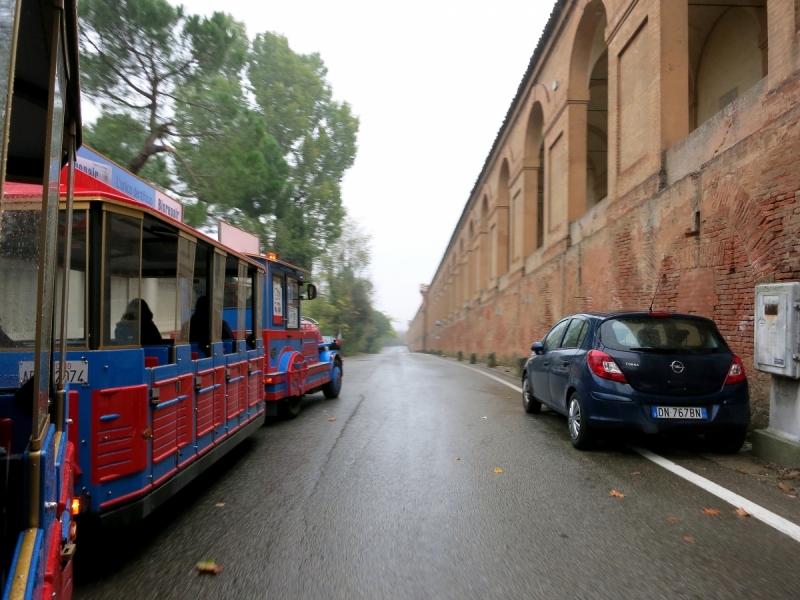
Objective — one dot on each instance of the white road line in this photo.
(759, 512)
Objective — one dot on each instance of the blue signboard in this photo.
(99, 167)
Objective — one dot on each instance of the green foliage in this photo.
(345, 298)
(245, 132)
(318, 136)
(119, 137)
(252, 132)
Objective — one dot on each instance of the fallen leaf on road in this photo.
(688, 538)
(785, 488)
(711, 512)
(636, 473)
(742, 471)
(672, 519)
(498, 470)
(792, 496)
(208, 566)
(742, 512)
(219, 504)
(457, 458)
(617, 494)
(332, 419)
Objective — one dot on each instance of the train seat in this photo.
(160, 353)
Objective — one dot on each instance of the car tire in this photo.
(290, 407)
(727, 441)
(580, 433)
(334, 386)
(531, 405)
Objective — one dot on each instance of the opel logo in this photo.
(677, 366)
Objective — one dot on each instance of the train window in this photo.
(244, 293)
(255, 304)
(159, 311)
(197, 329)
(186, 263)
(292, 304)
(76, 294)
(19, 273)
(277, 300)
(122, 255)
(218, 331)
(231, 317)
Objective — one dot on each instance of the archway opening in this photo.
(533, 213)
(728, 50)
(540, 199)
(597, 130)
(500, 227)
(588, 97)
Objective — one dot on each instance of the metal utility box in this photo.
(777, 329)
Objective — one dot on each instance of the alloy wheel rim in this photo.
(526, 392)
(574, 419)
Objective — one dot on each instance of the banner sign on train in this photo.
(99, 167)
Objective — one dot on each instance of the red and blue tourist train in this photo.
(178, 347)
(135, 351)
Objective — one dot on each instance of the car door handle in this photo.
(566, 363)
(544, 364)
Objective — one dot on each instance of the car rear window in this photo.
(665, 335)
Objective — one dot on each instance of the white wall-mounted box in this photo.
(777, 329)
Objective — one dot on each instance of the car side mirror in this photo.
(311, 291)
(537, 347)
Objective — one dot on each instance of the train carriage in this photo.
(298, 360)
(172, 357)
(40, 130)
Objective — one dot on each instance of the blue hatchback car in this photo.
(652, 372)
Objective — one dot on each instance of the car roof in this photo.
(635, 313)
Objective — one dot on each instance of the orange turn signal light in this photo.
(75, 507)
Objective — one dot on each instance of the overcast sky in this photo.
(431, 81)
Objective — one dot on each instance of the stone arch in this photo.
(499, 229)
(483, 245)
(529, 235)
(728, 54)
(472, 260)
(587, 99)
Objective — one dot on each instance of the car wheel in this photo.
(529, 403)
(334, 386)
(580, 433)
(727, 441)
(290, 407)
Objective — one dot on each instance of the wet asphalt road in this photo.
(374, 504)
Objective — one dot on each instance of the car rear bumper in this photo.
(729, 410)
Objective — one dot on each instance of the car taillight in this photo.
(604, 366)
(736, 372)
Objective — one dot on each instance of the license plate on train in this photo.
(77, 371)
(679, 412)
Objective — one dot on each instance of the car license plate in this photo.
(678, 412)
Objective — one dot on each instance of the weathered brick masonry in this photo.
(674, 157)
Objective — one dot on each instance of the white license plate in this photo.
(76, 371)
(678, 412)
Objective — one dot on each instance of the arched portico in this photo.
(587, 175)
(529, 231)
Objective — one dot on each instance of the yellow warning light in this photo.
(76, 506)
(272, 256)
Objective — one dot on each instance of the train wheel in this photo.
(332, 388)
(290, 407)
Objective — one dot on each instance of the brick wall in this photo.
(715, 217)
